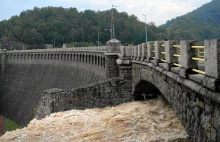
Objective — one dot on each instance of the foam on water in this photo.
(151, 121)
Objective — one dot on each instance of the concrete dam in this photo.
(25, 77)
(36, 83)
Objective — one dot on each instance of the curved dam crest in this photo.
(23, 81)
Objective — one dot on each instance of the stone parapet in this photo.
(107, 93)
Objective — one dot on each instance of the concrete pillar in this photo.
(212, 56)
(158, 50)
(113, 49)
(128, 51)
(132, 52)
(135, 52)
(186, 54)
(123, 52)
(139, 51)
(144, 54)
(149, 50)
(212, 64)
(3, 60)
(169, 51)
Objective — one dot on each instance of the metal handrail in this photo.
(198, 59)
(176, 55)
(163, 60)
(198, 71)
(176, 46)
(178, 65)
(198, 47)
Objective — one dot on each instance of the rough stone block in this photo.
(211, 83)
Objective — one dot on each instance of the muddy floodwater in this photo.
(147, 121)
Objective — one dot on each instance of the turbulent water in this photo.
(150, 121)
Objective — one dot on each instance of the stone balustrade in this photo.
(204, 70)
(95, 48)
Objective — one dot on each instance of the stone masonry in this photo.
(108, 93)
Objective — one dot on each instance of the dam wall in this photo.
(23, 80)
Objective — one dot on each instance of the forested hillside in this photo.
(202, 23)
(64, 25)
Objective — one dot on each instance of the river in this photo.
(139, 121)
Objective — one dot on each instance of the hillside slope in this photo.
(49, 25)
(202, 23)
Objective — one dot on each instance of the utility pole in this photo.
(145, 26)
(113, 23)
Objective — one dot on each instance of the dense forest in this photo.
(202, 23)
(57, 25)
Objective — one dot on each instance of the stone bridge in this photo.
(186, 74)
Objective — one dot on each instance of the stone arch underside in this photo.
(196, 111)
(145, 90)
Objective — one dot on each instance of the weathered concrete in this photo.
(25, 79)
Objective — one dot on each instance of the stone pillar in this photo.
(169, 50)
(125, 71)
(212, 64)
(113, 49)
(3, 60)
(132, 52)
(144, 54)
(149, 50)
(186, 54)
(139, 52)
(158, 50)
(135, 52)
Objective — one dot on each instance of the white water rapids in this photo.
(150, 121)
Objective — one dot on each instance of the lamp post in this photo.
(110, 31)
(145, 26)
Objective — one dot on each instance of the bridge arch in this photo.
(145, 90)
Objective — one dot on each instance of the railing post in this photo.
(186, 54)
(143, 56)
(149, 51)
(169, 51)
(139, 51)
(135, 52)
(3, 60)
(212, 64)
(158, 51)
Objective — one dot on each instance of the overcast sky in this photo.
(158, 11)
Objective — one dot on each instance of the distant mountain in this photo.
(202, 23)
